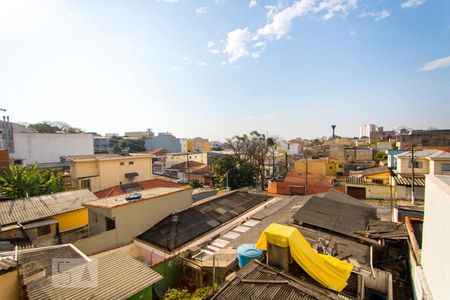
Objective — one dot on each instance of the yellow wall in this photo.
(190, 145)
(319, 166)
(9, 286)
(72, 220)
(110, 172)
(380, 176)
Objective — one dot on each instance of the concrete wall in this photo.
(9, 285)
(131, 220)
(163, 140)
(435, 240)
(404, 192)
(436, 167)
(134, 219)
(49, 147)
(403, 166)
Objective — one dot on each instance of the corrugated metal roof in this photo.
(7, 263)
(39, 207)
(258, 281)
(119, 277)
(406, 181)
(335, 215)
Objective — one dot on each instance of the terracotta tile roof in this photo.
(157, 151)
(136, 186)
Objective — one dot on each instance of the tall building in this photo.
(366, 129)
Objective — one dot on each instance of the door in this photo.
(357, 192)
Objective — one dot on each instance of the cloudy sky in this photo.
(218, 68)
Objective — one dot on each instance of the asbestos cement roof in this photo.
(113, 276)
(39, 207)
(259, 281)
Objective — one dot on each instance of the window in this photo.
(445, 167)
(110, 224)
(122, 163)
(43, 230)
(377, 181)
(131, 163)
(85, 184)
(417, 164)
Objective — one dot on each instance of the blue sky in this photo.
(218, 68)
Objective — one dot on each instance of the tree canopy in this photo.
(238, 172)
(54, 127)
(20, 182)
(119, 143)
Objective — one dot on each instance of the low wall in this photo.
(97, 243)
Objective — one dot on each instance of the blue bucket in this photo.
(246, 253)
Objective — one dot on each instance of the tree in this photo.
(20, 182)
(54, 127)
(252, 148)
(233, 171)
(195, 183)
(379, 157)
(184, 294)
(119, 143)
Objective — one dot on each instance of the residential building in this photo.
(351, 154)
(392, 160)
(425, 138)
(136, 135)
(115, 220)
(64, 272)
(372, 183)
(187, 229)
(435, 241)
(384, 146)
(189, 170)
(429, 161)
(163, 140)
(320, 166)
(30, 147)
(101, 171)
(365, 129)
(136, 187)
(206, 158)
(102, 144)
(45, 220)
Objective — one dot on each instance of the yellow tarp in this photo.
(327, 270)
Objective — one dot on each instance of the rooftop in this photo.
(147, 194)
(426, 153)
(119, 276)
(39, 207)
(259, 281)
(41, 259)
(182, 227)
(185, 165)
(112, 156)
(135, 187)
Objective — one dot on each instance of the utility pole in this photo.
(306, 175)
(412, 179)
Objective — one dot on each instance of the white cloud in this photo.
(334, 7)
(236, 44)
(202, 10)
(202, 64)
(184, 58)
(176, 68)
(282, 21)
(412, 3)
(352, 32)
(168, 1)
(377, 16)
(212, 49)
(271, 10)
(259, 44)
(436, 64)
(252, 3)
